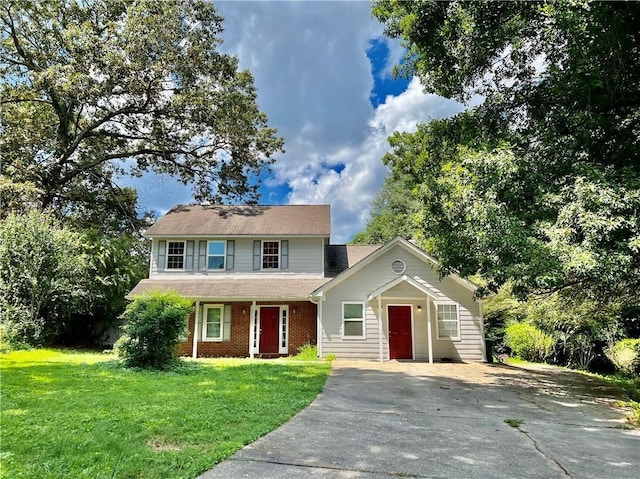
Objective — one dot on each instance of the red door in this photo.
(400, 342)
(269, 318)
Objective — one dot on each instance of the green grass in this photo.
(514, 422)
(80, 415)
(631, 387)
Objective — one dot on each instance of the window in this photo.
(216, 255)
(352, 320)
(448, 321)
(270, 254)
(175, 255)
(216, 323)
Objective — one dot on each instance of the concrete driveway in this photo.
(447, 421)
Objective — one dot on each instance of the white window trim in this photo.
(205, 308)
(184, 256)
(224, 256)
(364, 319)
(262, 255)
(448, 303)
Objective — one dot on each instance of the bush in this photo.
(154, 325)
(625, 355)
(528, 342)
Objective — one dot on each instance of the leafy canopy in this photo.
(539, 184)
(96, 89)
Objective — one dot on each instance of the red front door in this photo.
(400, 342)
(269, 318)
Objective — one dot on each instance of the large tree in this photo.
(539, 184)
(96, 89)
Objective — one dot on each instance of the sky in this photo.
(323, 75)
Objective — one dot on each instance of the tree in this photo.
(94, 90)
(539, 185)
(44, 277)
(394, 212)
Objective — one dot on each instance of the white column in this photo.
(319, 328)
(196, 320)
(380, 325)
(429, 336)
(252, 313)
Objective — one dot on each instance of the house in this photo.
(265, 280)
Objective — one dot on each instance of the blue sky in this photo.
(323, 74)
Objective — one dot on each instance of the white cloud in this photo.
(314, 79)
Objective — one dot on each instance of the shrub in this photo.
(528, 342)
(154, 325)
(625, 355)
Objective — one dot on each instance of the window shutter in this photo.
(202, 255)
(256, 255)
(226, 326)
(231, 253)
(284, 255)
(162, 253)
(189, 261)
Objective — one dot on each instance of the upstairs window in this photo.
(270, 255)
(216, 254)
(175, 255)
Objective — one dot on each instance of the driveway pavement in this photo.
(447, 421)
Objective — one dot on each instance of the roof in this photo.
(232, 288)
(339, 257)
(244, 220)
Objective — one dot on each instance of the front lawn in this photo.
(79, 415)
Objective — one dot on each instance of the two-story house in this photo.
(265, 280)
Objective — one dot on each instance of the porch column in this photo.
(196, 321)
(429, 338)
(319, 335)
(380, 325)
(252, 312)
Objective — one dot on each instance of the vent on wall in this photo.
(398, 266)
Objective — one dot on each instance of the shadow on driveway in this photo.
(397, 419)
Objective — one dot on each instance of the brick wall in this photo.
(302, 329)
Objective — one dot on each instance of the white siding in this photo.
(306, 257)
(359, 285)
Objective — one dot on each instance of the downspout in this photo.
(318, 303)
(380, 325)
(196, 320)
(429, 335)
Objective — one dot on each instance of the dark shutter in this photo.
(284, 255)
(231, 253)
(189, 262)
(202, 255)
(256, 255)
(162, 252)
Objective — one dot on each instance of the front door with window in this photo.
(400, 340)
(269, 320)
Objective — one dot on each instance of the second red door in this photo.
(400, 340)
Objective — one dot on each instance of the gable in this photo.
(398, 248)
(258, 220)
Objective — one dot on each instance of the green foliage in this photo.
(625, 355)
(394, 212)
(154, 324)
(538, 185)
(44, 276)
(514, 422)
(306, 352)
(92, 91)
(528, 342)
(100, 420)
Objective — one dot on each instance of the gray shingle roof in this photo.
(267, 288)
(282, 220)
(339, 257)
